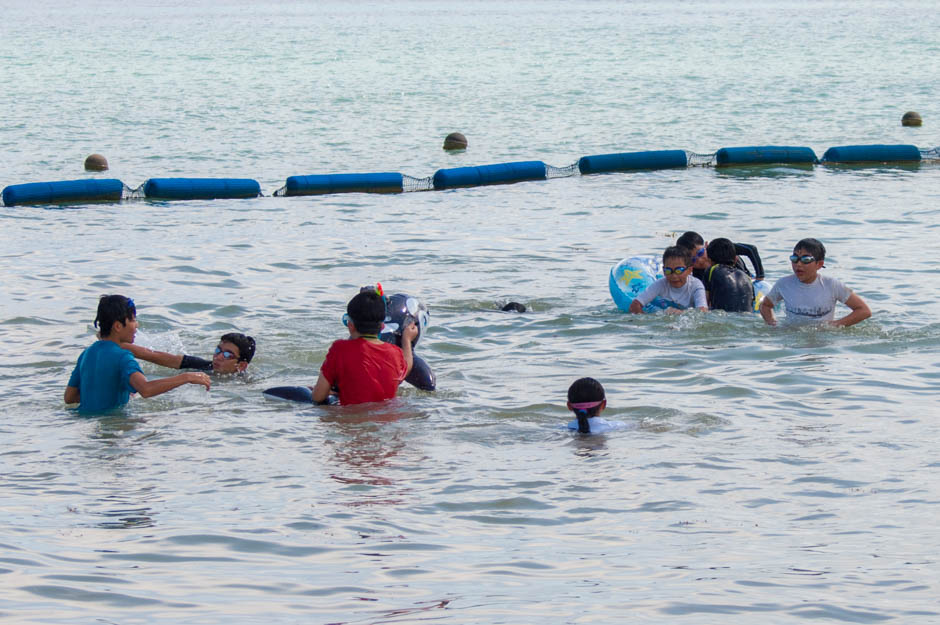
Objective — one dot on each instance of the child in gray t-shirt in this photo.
(809, 297)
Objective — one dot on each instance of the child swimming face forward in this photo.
(227, 358)
(676, 271)
(805, 271)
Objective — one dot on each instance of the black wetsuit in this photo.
(742, 250)
(200, 364)
(729, 288)
(749, 251)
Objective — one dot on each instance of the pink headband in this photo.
(586, 405)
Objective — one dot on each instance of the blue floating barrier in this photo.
(489, 174)
(764, 155)
(872, 154)
(201, 188)
(627, 161)
(64, 192)
(388, 182)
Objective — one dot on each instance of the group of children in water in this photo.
(363, 368)
(713, 276)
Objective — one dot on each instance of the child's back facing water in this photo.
(363, 368)
(586, 399)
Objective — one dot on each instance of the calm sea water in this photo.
(767, 474)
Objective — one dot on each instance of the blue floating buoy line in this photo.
(113, 190)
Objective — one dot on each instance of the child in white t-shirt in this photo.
(679, 288)
(810, 297)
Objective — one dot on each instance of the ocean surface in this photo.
(766, 475)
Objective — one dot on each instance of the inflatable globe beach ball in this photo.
(399, 310)
(631, 276)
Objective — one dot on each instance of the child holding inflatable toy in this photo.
(363, 368)
(679, 288)
(106, 375)
(810, 297)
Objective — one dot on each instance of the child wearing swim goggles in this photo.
(679, 288)
(810, 297)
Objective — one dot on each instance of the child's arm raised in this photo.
(148, 388)
(173, 361)
(408, 334)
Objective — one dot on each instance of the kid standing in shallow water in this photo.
(678, 287)
(810, 297)
(362, 367)
(106, 375)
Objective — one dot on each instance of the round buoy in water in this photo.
(96, 162)
(911, 118)
(455, 141)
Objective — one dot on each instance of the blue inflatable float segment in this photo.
(201, 188)
(765, 155)
(502, 173)
(877, 153)
(629, 161)
(64, 192)
(388, 182)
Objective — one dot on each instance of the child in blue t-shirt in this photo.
(106, 374)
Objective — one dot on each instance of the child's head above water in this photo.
(807, 259)
(233, 353)
(721, 251)
(586, 399)
(113, 309)
(677, 265)
(367, 311)
(811, 246)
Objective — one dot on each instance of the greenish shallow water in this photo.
(766, 474)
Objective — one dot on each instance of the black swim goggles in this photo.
(805, 259)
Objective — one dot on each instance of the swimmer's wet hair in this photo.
(367, 310)
(813, 246)
(676, 251)
(721, 251)
(585, 390)
(244, 343)
(690, 240)
(111, 309)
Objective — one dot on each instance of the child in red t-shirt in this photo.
(362, 367)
